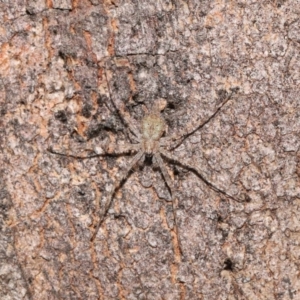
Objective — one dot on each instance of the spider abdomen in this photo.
(153, 127)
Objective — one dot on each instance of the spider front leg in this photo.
(123, 175)
(171, 187)
(184, 163)
(164, 172)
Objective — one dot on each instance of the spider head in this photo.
(150, 147)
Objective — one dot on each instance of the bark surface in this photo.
(62, 63)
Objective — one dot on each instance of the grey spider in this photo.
(151, 143)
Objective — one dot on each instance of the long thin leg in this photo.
(164, 172)
(171, 187)
(118, 182)
(176, 139)
(125, 118)
(110, 150)
(184, 163)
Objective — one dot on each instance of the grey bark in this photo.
(55, 60)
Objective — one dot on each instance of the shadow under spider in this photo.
(148, 142)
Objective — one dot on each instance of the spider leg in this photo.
(118, 149)
(121, 112)
(171, 187)
(164, 172)
(118, 182)
(184, 163)
(176, 139)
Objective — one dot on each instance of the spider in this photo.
(150, 142)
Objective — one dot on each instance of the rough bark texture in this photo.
(56, 59)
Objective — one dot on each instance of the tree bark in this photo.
(73, 73)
